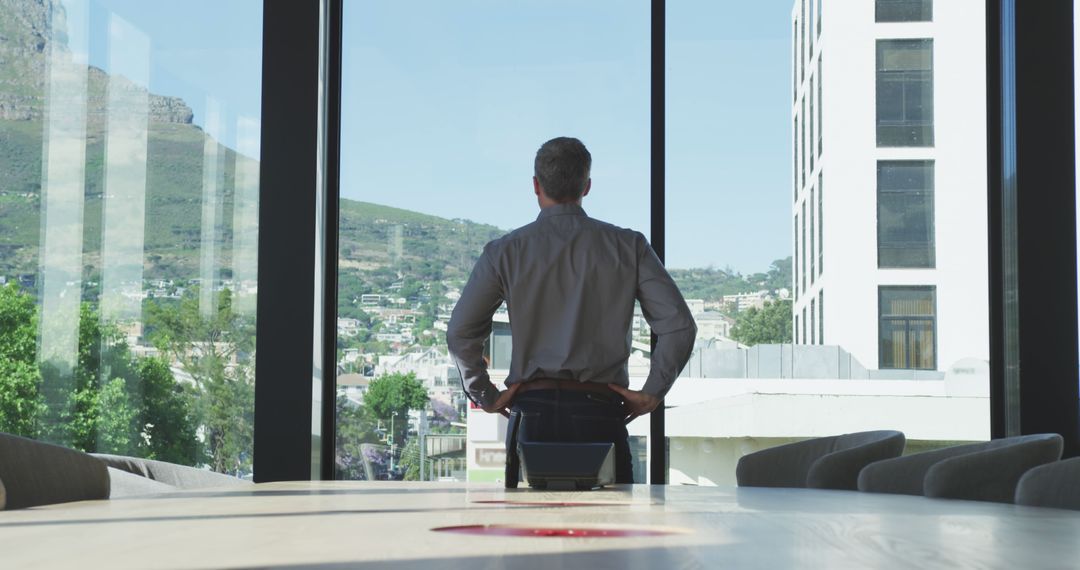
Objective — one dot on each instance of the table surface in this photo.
(338, 524)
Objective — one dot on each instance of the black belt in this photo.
(561, 384)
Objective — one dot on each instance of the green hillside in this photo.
(383, 249)
(432, 248)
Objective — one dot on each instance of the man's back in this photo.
(569, 282)
(570, 286)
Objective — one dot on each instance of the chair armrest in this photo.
(177, 476)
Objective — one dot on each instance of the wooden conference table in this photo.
(388, 525)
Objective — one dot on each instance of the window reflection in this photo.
(128, 227)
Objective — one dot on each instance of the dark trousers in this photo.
(569, 416)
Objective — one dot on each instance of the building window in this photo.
(907, 328)
(905, 213)
(796, 328)
(820, 104)
(821, 316)
(903, 10)
(819, 19)
(802, 143)
(795, 261)
(820, 224)
(812, 250)
(795, 159)
(810, 95)
(905, 93)
(804, 325)
(813, 317)
(802, 42)
(803, 242)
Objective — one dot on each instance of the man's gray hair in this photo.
(562, 166)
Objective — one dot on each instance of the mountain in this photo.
(381, 247)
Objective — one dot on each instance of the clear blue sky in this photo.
(198, 49)
(443, 114)
(445, 103)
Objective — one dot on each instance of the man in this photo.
(569, 283)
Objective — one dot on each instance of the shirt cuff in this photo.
(484, 395)
(656, 386)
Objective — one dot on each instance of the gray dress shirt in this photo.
(569, 282)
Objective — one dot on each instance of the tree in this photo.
(167, 417)
(768, 325)
(21, 404)
(398, 393)
(108, 402)
(355, 430)
(409, 462)
(217, 351)
(92, 407)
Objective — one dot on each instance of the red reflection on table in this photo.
(569, 532)
(548, 503)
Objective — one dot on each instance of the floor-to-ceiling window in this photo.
(443, 108)
(894, 333)
(129, 193)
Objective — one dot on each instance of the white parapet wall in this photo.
(710, 423)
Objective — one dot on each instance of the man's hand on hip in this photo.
(637, 403)
(502, 403)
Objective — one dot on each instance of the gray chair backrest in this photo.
(984, 471)
(987, 471)
(905, 475)
(824, 463)
(177, 476)
(991, 474)
(36, 473)
(1054, 485)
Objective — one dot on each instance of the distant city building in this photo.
(745, 301)
(348, 327)
(712, 325)
(889, 194)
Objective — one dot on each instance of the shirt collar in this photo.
(567, 209)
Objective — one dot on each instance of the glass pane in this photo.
(905, 214)
(129, 197)
(744, 221)
(905, 98)
(908, 318)
(441, 121)
(903, 10)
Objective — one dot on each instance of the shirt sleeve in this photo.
(470, 326)
(666, 312)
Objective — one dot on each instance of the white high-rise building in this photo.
(890, 191)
